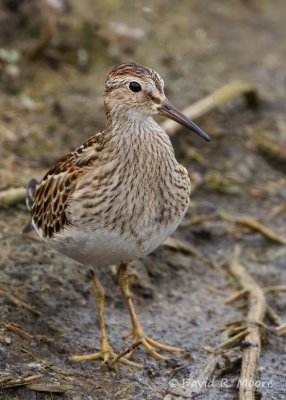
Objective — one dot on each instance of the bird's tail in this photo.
(31, 189)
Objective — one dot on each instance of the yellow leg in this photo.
(137, 331)
(107, 354)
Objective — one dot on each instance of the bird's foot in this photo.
(150, 344)
(107, 355)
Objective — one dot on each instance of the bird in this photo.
(118, 196)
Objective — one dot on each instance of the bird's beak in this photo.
(170, 111)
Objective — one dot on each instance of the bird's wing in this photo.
(49, 200)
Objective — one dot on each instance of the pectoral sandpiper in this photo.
(118, 196)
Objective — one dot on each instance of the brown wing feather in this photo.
(52, 194)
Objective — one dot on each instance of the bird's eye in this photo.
(135, 87)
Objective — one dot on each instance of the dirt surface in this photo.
(52, 103)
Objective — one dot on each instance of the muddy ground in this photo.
(51, 101)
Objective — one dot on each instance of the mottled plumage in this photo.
(122, 193)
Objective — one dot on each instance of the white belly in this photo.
(101, 247)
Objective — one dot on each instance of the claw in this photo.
(107, 355)
(149, 344)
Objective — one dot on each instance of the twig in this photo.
(278, 210)
(215, 100)
(50, 387)
(230, 342)
(47, 32)
(197, 219)
(256, 312)
(10, 382)
(18, 330)
(185, 247)
(252, 223)
(130, 349)
(281, 330)
(275, 288)
(197, 379)
(235, 296)
(273, 316)
(19, 302)
(12, 196)
(26, 335)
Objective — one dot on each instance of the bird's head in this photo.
(137, 92)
